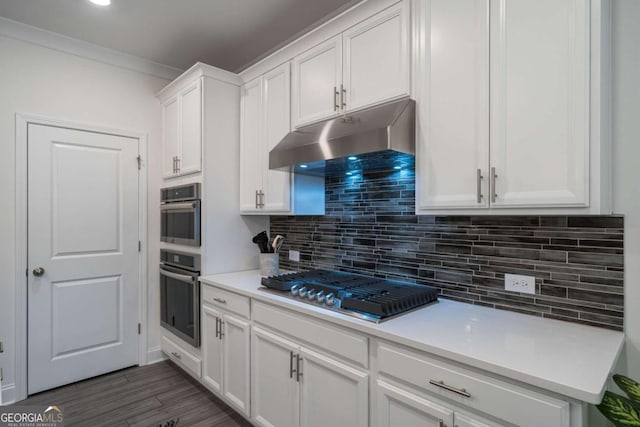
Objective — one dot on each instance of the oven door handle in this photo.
(177, 206)
(181, 277)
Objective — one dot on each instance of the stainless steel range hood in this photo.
(377, 138)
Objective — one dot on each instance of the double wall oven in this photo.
(179, 271)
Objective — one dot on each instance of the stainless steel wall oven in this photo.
(180, 215)
(180, 294)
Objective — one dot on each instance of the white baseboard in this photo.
(155, 355)
(8, 394)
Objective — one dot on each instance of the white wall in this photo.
(626, 161)
(41, 81)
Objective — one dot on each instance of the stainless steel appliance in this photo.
(180, 294)
(376, 138)
(369, 298)
(180, 214)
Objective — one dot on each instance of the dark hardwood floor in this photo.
(139, 396)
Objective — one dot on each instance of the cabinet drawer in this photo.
(234, 303)
(329, 338)
(494, 397)
(181, 357)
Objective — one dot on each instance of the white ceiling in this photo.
(228, 34)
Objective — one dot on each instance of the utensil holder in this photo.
(269, 264)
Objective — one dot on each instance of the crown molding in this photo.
(27, 33)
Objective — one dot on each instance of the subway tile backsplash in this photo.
(370, 228)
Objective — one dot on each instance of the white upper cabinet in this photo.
(265, 121)
(251, 145)
(316, 82)
(453, 109)
(277, 123)
(367, 64)
(182, 131)
(540, 102)
(507, 94)
(376, 59)
(190, 119)
(169, 137)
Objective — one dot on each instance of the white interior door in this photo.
(83, 235)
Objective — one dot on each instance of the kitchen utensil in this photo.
(277, 242)
(262, 240)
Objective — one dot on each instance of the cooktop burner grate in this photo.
(381, 298)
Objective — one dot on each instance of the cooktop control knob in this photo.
(311, 295)
(294, 290)
(302, 292)
(320, 297)
(330, 299)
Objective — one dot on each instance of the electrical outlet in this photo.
(294, 256)
(518, 283)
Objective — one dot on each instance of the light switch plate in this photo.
(518, 283)
(294, 256)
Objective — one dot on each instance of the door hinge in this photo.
(139, 328)
(26, 272)
(139, 159)
(1, 375)
(139, 246)
(1, 347)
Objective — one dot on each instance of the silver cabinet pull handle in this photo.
(221, 328)
(343, 97)
(479, 186)
(441, 423)
(441, 384)
(291, 370)
(257, 204)
(493, 185)
(221, 301)
(176, 355)
(336, 105)
(177, 164)
(298, 370)
(217, 327)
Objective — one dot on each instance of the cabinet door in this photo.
(236, 361)
(453, 112)
(251, 145)
(316, 78)
(190, 157)
(277, 121)
(398, 407)
(169, 137)
(274, 390)
(331, 393)
(539, 102)
(376, 58)
(211, 349)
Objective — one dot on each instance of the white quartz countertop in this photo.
(570, 359)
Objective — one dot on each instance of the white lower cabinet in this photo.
(295, 386)
(398, 407)
(225, 350)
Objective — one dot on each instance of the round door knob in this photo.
(38, 271)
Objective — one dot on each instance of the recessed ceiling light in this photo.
(101, 2)
(397, 167)
(352, 158)
(304, 166)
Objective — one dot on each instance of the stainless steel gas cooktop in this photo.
(369, 298)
